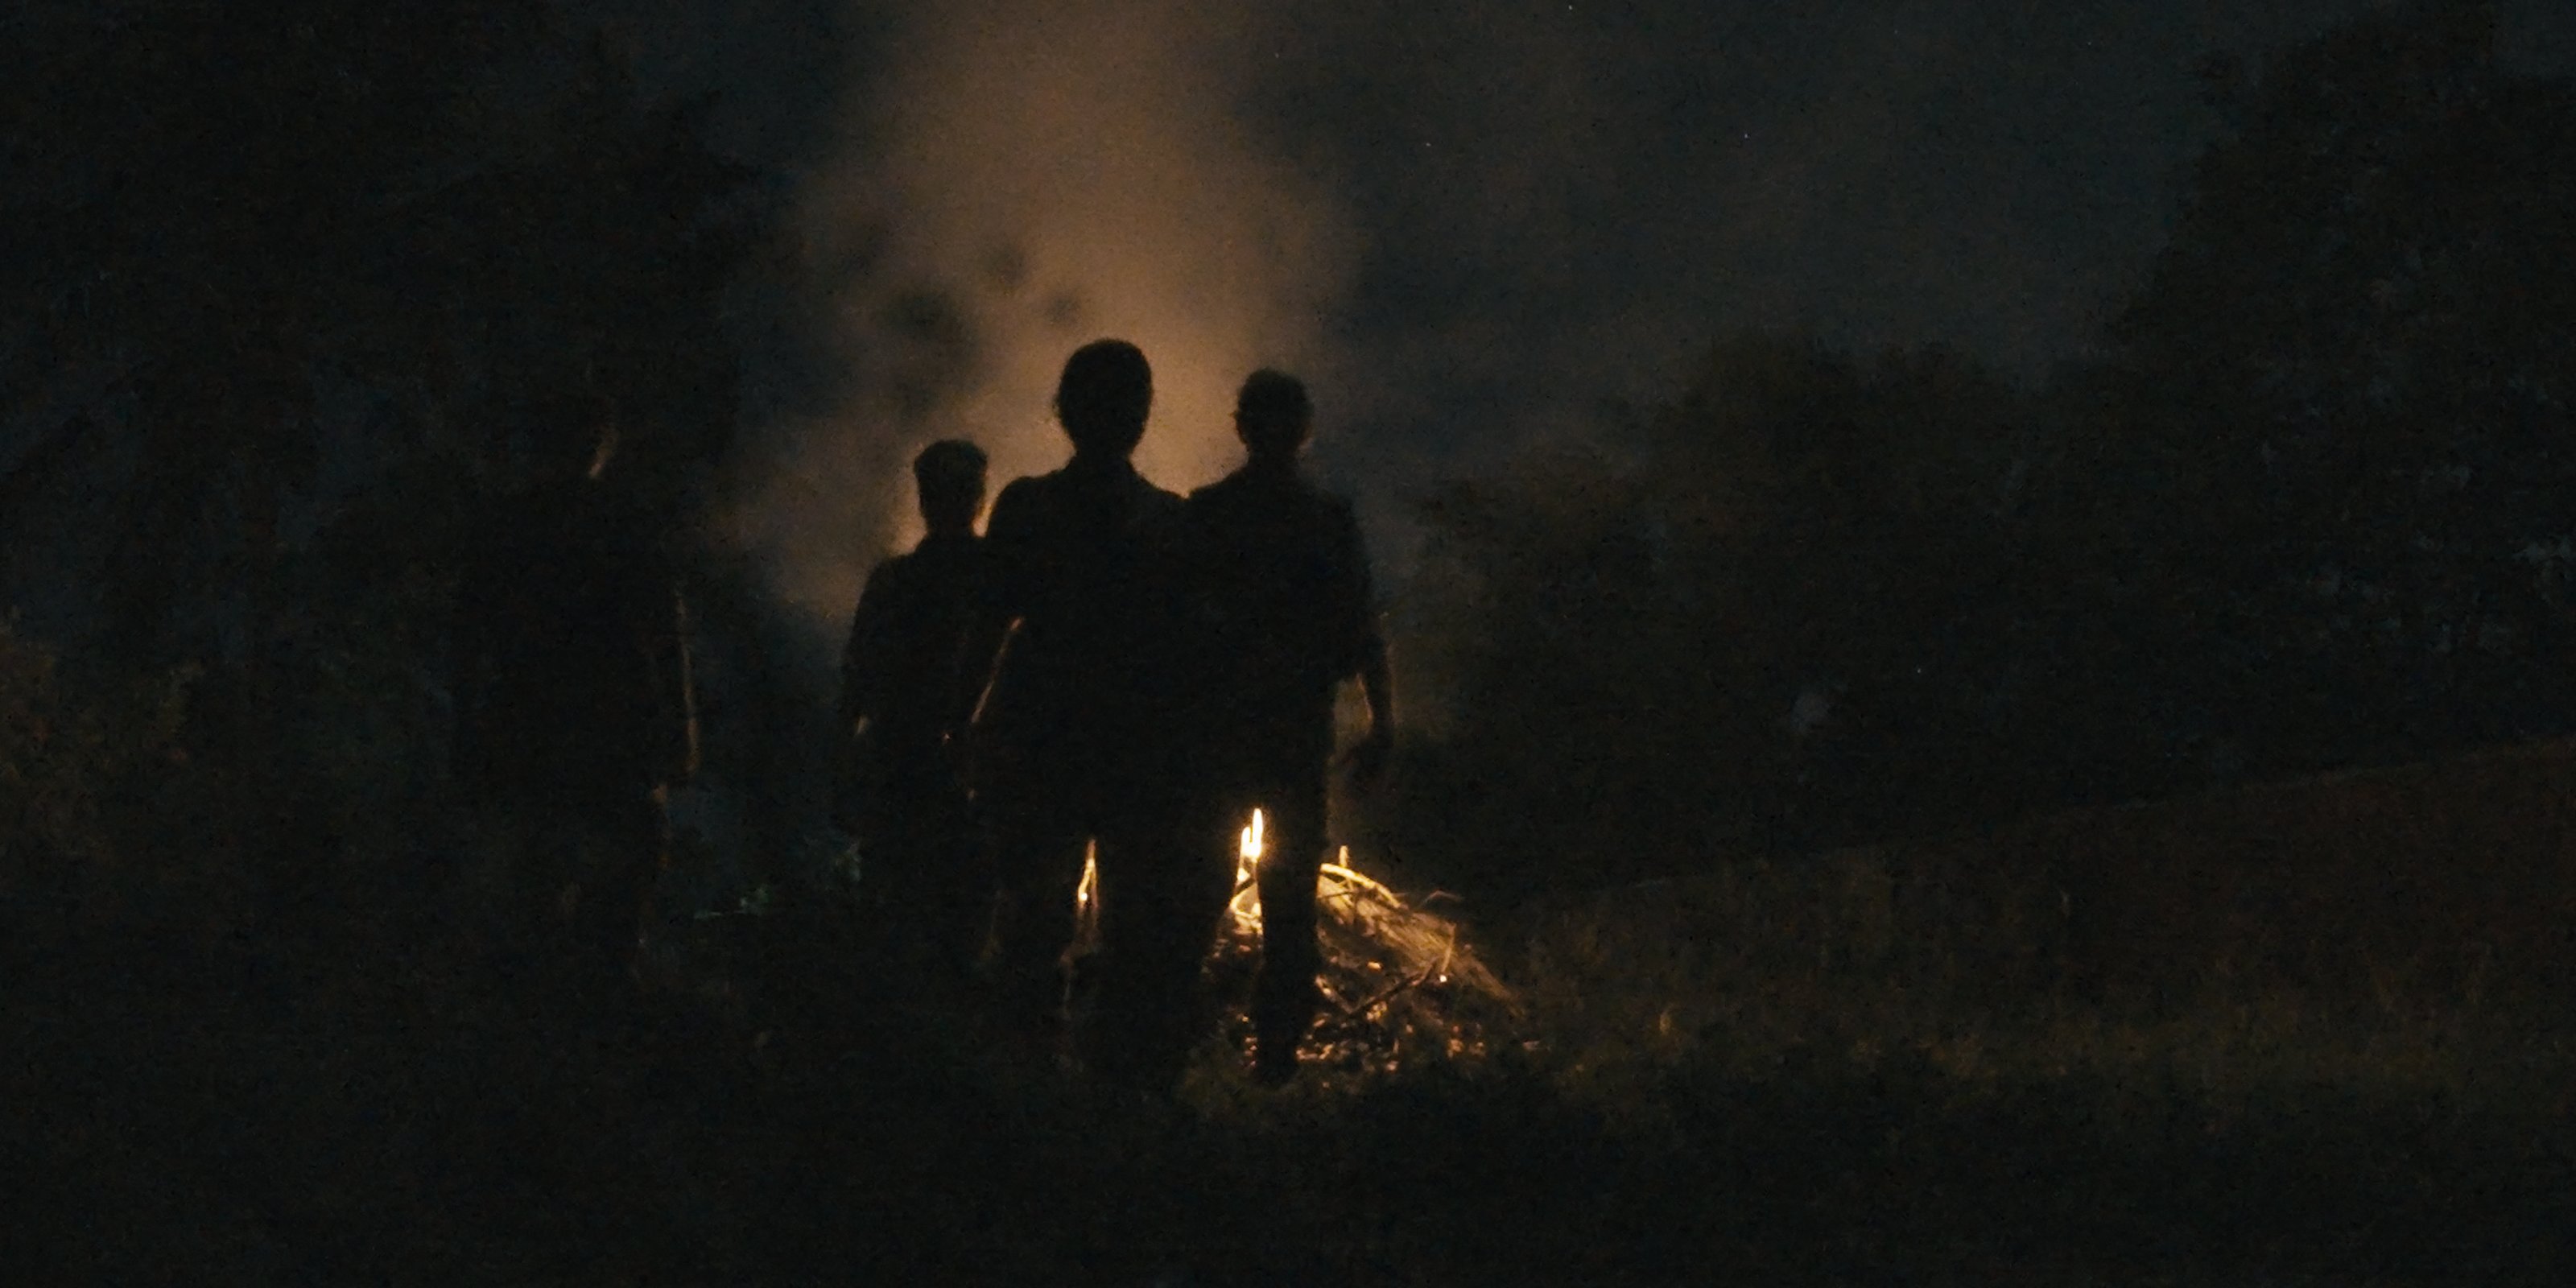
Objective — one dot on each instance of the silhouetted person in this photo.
(1065, 741)
(573, 701)
(1280, 585)
(918, 656)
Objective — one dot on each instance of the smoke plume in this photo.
(1019, 178)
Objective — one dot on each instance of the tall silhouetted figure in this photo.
(919, 652)
(574, 713)
(1066, 740)
(1280, 588)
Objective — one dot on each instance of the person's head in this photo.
(567, 436)
(949, 475)
(1103, 398)
(1272, 416)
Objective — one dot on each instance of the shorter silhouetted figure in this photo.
(1280, 586)
(920, 648)
(574, 708)
(1065, 743)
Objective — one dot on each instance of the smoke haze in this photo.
(1471, 223)
(1022, 178)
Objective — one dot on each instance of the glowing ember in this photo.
(1243, 911)
(1398, 985)
(1088, 893)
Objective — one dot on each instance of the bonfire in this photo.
(1401, 987)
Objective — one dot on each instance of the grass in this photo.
(1765, 963)
(1919, 1048)
(276, 1111)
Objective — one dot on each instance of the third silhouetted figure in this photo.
(1280, 585)
(574, 707)
(920, 648)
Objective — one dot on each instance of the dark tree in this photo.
(2345, 393)
(193, 195)
(284, 289)
(1776, 614)
(445, 210)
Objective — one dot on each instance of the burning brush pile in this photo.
(1400, 986)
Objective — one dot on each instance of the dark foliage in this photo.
(2347, 387)
(1769, 616)
(256, 258)
(2311, 508)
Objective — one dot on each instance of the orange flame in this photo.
(1245, 906)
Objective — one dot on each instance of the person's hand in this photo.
(1367, 760)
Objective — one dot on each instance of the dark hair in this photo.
(1273, 413)
(949, 475)
(948, 461)
(567, 433)
(1103, 397)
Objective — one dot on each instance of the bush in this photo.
(72, 765)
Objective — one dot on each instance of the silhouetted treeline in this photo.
(290, 297)
(285, 294)
(317, 268)
(2310, 504)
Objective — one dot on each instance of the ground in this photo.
(356, 1107)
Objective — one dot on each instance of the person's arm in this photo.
(661, 627)
(860, 655)
(470, 653)
(978, 654)
(685, 679)
(1009, 571)
(858, 760)
(1368, 759)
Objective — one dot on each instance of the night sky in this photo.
(1473, 224)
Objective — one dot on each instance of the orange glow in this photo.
(1244, 909)
(1039, 175)
(1394, 976)
(1088, 892)
(1336, 880)
(1064, 172)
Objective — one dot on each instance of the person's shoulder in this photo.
(532, 513)
(891, 569)
(947, 558)
(1320, 504)
(1147, 505)
(1336, 522)
(1022, 490)
(1227, 491)
(1021, 503)
(614, 518)
(549, 526)
(1207, 509)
